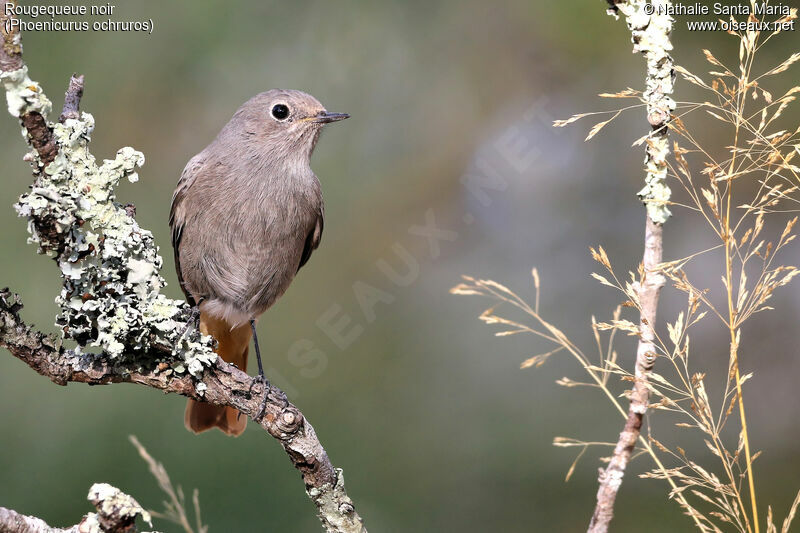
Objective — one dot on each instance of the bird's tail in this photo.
(232, 346)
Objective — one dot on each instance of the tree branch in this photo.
(221, 384)
(111, 297)
(650, 36)
(116, 513)
(72, 99)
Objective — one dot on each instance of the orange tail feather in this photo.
(233, 346)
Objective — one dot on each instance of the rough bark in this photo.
(650, 36)
(72, 99)
(610, 478)
(111, 297)
(40, 135)
(221, 384)
(13, 522)
(116, 513)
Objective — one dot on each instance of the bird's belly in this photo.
(268, 263)
(256, 253)
(245, 286)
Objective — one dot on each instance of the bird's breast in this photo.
(265, 235)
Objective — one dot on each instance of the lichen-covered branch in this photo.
(111, 297)
(650, 36)
(116, 513)
(219, 384)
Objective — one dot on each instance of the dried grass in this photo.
(175, 507)
(719, 495)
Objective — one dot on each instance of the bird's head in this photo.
(285, 124)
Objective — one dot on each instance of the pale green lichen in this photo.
(111, 296)
(111, 502)
(650, 34)
(656, 193)
(336, 510)
(23, 94)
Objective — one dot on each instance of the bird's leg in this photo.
(258, 351)
(193, 320)
(261, 378)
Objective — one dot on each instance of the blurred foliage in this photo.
(436, 427)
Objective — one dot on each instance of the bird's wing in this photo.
(313, 238)
(177, 215)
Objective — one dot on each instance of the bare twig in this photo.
(72, 99)
(651, 36)
(611, 478)
(111, 297)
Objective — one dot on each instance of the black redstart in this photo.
(246, 214)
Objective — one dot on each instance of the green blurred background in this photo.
(435, 425)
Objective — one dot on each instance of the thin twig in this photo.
(72, 99)
(651, 36)
(611, 478)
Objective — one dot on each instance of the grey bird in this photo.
(246, 214)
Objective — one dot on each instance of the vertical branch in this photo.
(72, 99)
(11, 49)
(650, 28)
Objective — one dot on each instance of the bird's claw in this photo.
(193, 320)
(262, 407)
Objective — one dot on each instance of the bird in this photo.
(246, 215)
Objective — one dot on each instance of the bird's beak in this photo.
(324, 117)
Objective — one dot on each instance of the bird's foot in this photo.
(193, 320)
(262, 407)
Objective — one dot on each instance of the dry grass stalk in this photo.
(175, 507)
(761, 161)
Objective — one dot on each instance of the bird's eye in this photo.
(280, 111)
